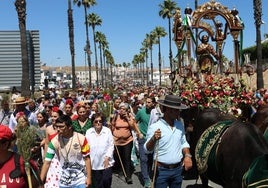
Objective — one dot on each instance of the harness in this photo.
(257, 174)
(207, 148)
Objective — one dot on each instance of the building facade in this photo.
(10, 58)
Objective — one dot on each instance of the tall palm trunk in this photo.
(71, 43)
(147, 69)
(111, 72)
(143, 72)
(151, 57)
(169, 40)
(101, 66)
(257, 4)
(25, 80)
(96, 55)
(159, 61)
(88, 47)
(105, 66)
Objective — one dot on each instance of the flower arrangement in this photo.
(215, 92)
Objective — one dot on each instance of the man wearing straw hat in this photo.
(167, 139)
(20, 107)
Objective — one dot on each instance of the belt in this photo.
(169, 166)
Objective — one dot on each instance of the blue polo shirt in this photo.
(171, 143)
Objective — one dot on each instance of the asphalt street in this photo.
(119, 181)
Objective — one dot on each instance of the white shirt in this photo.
(155, 115)
(4, 117)
(101, 146)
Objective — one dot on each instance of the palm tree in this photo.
(125, 66)
(151, 39)
(87, 4)
(143, 58)
(25, 81)
(110, 61)
(135, 62)
(101, 39)
(105, 46)
(71, 38)
(159, 32)
(94, 20)
(257, 5)
(145, 48)
(167, 10)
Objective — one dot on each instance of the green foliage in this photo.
(253, 52)
(105, 108)
(26, 137)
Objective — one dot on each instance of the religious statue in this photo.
(206, 53)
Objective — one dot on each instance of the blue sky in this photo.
(124, 22)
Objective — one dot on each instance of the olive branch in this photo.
(26, 137)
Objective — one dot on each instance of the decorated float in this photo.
(203, 76)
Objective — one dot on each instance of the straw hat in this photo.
(20, 100)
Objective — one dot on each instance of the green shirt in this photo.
(143, 117)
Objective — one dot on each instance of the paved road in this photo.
(119, 181)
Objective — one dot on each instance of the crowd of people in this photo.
(87, 135)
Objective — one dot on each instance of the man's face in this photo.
(20, 107)
(5, 106)
(174, 113)
(149, 103)
(31, 105)
(116, 103)
(61, 128)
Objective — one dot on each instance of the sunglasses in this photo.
(98, 121)
(58, 127)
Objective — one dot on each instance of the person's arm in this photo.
(46, 164)
(151, 143)
(46, 142)
(132, 123)
(85, 151)
(88, 169)
(187, 159)
(44, 171)
(35, 175)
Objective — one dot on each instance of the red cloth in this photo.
(5, 133)
(9, 166)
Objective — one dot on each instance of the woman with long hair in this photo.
(82, 122)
